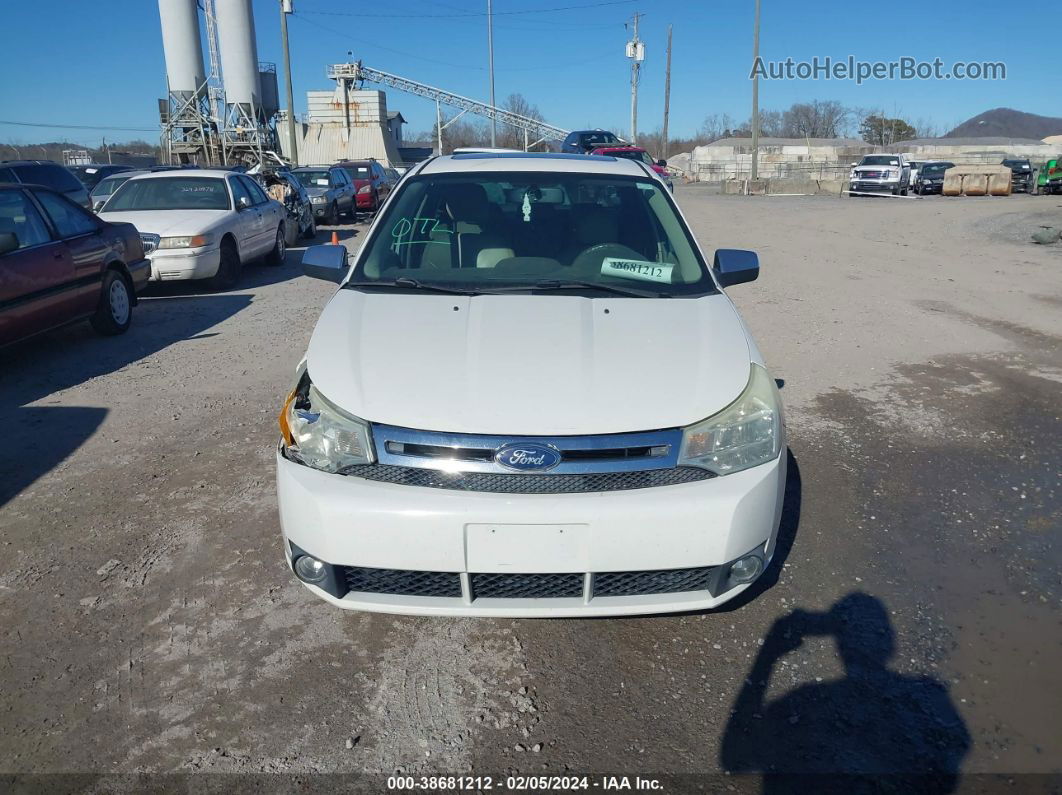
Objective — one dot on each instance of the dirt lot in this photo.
(910, 622)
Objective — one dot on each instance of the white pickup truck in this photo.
(882, 173)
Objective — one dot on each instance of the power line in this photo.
(79, 126)
(374, 45)
(469, 13)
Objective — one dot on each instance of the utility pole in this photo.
(756, 94)
(285, 9)
(667, 95)
(636, 52)
(490, 58)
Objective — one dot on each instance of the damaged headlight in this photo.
(321, 435)
(745, 434)
(318, 199)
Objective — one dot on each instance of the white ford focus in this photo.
(530, 397)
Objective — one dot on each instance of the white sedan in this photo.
(531, 397)
(200, 223)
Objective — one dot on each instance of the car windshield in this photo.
(1016, 163)
(170, 193)
(358, 171)
(935, 168)
(879, 160)
(511, 231)
(312, 179)
(109, 185)
(597, 138)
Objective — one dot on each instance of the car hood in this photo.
(529, 365)
(170, 223)
(316, 191)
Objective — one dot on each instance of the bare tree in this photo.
(816, 119)
(716, 126)
(510, 137)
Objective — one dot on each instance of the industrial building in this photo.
(821, 159)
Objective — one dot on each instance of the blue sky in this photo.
(71, 66)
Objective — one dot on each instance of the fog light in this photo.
(746, 569)
(310, 569)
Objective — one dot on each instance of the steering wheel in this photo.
(589, 259)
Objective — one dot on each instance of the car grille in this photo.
(527, 484)
(398, 581)
(504, 585)
(630, 583)
(150, 242)
(526, 586)
(869, 175)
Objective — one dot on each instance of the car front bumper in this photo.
(365, 201)
(651, 533)
(872, 186)
(187, 263)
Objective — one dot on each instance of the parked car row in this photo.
(346, 187)
(895, 174)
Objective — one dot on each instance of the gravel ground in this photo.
(909, 625)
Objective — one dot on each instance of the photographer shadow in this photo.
(873, 730)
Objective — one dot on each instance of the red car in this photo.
(60, 263)
(371, 183)
(639, 154)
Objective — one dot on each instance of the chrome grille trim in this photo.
(598, 453)
(149, 241)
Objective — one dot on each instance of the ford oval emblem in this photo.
(528, 457)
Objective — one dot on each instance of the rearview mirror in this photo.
(327, 262)
(735, 266)
(8, 242)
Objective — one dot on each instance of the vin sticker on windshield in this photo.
(637, 269)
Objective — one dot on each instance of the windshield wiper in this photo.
(413, 284)
(577, 285)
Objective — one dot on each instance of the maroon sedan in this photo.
(60, 263)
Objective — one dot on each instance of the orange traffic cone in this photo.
(335, 238)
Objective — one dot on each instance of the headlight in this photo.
(745, 434)
(318, 199)
(365, 189)
(193, 241)
(321, 435)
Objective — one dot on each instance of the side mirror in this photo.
(853, 165)
(325, 262)
(8, 242)
(662, 163)
(735, 266)
(243, 203)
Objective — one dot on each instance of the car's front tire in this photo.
(333, 215)
(280, 246)
(311, 230)
(229, 267)
(114, 312)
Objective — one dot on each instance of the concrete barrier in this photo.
(977, 180)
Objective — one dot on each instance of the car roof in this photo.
(31, 163)
(624, 148)
(533, 161)
(185, 172)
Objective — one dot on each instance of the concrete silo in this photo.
(182, 48)
(239, 60)
(189, 134)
